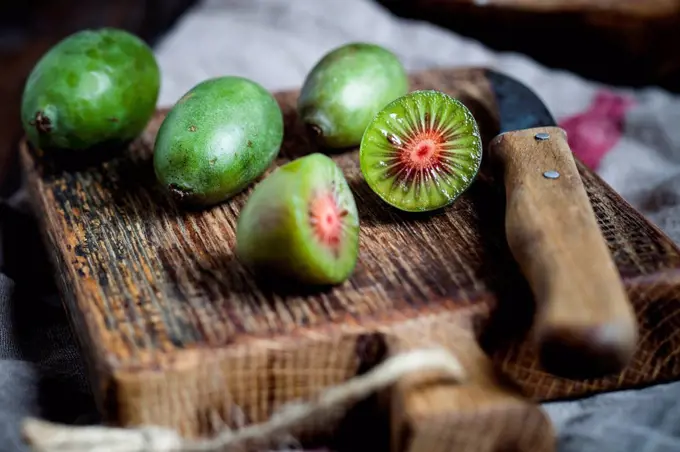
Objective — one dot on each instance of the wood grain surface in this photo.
(174, 328)
(484, 413)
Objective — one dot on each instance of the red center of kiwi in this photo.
(326, 219)
(422, 151)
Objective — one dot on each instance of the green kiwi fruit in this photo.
(301, 222)
(421, 151)
(216, 140)
(345, 89)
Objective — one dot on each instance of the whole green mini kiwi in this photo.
(345, 89)
(217, 139)
(94, 87)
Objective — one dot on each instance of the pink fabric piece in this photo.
(592, 133)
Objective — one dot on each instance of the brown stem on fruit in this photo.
(41, 122)
(178, 193)
(314, 130)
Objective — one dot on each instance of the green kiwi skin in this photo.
(394, 119)
(273, 232)
(345, 89)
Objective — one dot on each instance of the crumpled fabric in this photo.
(630, 137)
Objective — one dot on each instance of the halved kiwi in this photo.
(301, 222)
(421, 151)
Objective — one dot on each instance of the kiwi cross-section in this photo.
(301, 222)
(421, 151)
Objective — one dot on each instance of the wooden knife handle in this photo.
(585, 326)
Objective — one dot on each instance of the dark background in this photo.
(601, 39)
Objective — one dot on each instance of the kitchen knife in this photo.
(584, 326)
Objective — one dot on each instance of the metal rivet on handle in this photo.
(542, 136)
(551, 174)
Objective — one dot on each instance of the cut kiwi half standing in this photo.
(421, 151)
(301, 222)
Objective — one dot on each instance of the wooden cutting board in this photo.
(173, 327)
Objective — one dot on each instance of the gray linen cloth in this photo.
(275, 42)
